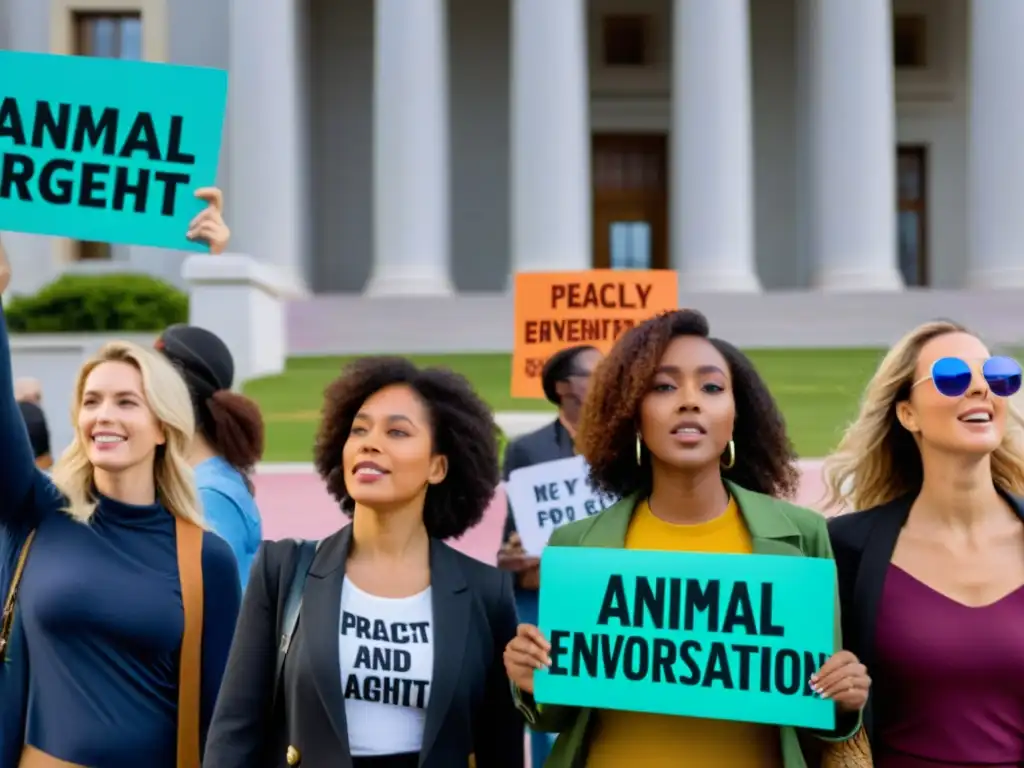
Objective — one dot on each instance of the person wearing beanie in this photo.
(229, 438)
(38, 433)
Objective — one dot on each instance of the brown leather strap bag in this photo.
(7, 617)
(190, 570)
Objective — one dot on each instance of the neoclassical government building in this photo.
(386, 147)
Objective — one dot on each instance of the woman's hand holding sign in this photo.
(843, 679)
(512, 557)
(209, 225)
(526, 652)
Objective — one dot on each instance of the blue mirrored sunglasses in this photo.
(952, 376)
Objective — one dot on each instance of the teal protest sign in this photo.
(730, 637)
(107, 150)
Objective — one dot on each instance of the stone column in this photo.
(35, 259)
(995, 146)
(853, 146)
(238, 298)
(411, 150)
(551, 192)
(266, 195)
(712, 177)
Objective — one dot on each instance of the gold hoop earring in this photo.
(732, 456)
(639, 450)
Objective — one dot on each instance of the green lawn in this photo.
(818, 391)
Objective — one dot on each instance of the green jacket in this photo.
(777, 528)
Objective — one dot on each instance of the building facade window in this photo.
(912, 215)
(625, 41)
(630, 201)
(630, 245)
(109, 35)
(910, 41)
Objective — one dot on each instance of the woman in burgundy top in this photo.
(931, 575)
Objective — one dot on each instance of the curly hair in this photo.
(462, 429)
(765, 460)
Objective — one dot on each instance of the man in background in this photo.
(565, 379)
(38, 433)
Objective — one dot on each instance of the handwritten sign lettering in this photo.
(555, 310)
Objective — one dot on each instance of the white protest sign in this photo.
(549, 495)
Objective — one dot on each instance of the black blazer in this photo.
(863, 543)
(549, 443)
(470, 711)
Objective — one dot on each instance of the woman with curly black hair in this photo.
(681, 427)
(397, 658)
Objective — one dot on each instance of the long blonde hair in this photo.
(167, 397)
(878, 460)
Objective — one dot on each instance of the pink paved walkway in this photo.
(294, 504)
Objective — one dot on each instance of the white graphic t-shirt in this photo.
(387, 661)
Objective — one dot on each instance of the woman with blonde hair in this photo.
(931, 573)
(125, 604)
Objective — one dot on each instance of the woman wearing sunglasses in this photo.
(932, 573)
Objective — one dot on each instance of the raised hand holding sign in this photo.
(208, 226)
(121, 164)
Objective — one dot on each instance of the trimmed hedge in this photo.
(98, 303)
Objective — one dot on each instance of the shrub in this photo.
(98, 303)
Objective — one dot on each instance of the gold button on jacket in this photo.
(293, 756)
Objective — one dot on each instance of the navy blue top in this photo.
(102, 614)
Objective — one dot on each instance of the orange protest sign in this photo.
(555, 310)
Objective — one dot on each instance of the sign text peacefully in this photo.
(554, 310)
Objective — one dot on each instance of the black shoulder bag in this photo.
(289, 617)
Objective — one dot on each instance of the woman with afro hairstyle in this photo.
(681, 427)
(397, 658)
